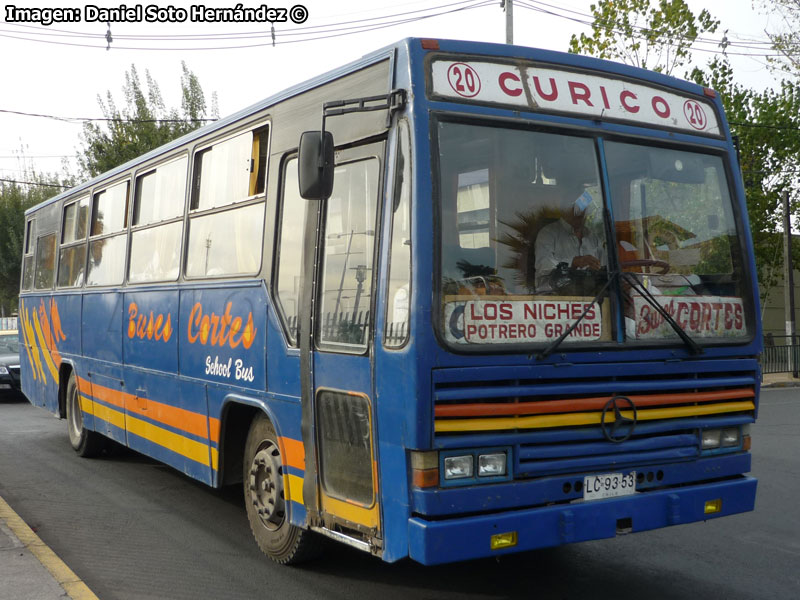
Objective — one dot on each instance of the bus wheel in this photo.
(266, 502)
(86, 443)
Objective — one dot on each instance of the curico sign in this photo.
(554, 90)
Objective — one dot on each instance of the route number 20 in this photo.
(464, 80)
(695, 114)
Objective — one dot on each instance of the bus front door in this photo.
(340, 377)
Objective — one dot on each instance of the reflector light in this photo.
(503, 540)
(713, 506)
(709, 92)
(430, 44)
(425, 478)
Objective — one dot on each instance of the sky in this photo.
(60, 69)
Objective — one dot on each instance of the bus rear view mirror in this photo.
(315, 164)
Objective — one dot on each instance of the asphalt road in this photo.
(133, 529)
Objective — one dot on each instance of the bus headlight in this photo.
(458, 467)
(3, 370)
(711, 438)
(491, 465)
(730, 437)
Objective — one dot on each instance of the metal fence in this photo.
(780, 354)
(8, 323)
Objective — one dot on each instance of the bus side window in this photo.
(399, 297)
(231, 171)
(156, 238)
(27, 260)
(107, 242)
(72, 256)
(45, 262)
(288, 270)
(224, 239)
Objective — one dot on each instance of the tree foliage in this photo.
(143, 123)
(639, 33)
(785, 36)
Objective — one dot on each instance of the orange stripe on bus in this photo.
(584, 404)
(294, 453)
(214, 427)
(179, 418)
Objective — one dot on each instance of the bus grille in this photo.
(551, 416)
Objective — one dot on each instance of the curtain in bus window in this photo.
(226, 243)
(160, 195)
(45, 262)
(110, 210)
(224, 172)
(106, 261)
(76, 218)
(155, 253)
(348, 254)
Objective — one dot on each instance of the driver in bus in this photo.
(567, 242)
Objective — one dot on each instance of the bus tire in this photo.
(265, 501)
(86, 443)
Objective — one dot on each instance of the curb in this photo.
(64, 576)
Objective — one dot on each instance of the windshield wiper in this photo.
(557, 342)
(693, 346)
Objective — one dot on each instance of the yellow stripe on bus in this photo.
(87, 405)
(110, 415)
(30, 336)
(592, 418)
(350, 512)
(195, 451)
(43, 347)
(214, 458)
(295, 487)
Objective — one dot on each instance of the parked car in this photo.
(9, 364)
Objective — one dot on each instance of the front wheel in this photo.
(265, 499)
(86, 443)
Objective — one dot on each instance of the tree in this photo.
(144, 123)
(15, 199)
(786, 37)
(767, 127)
(637, 33)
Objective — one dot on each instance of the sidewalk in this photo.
(29, 570)
(776, 380)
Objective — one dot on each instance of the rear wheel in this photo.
(86, 443)
(265, 499)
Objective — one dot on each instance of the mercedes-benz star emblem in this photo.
(621, 428)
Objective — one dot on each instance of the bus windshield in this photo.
(525, 247)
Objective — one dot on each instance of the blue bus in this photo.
(453, 300)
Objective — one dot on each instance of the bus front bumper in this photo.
(450, 540)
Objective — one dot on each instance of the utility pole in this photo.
(788, 288)
(509, 8)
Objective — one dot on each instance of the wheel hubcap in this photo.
(266, 486)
